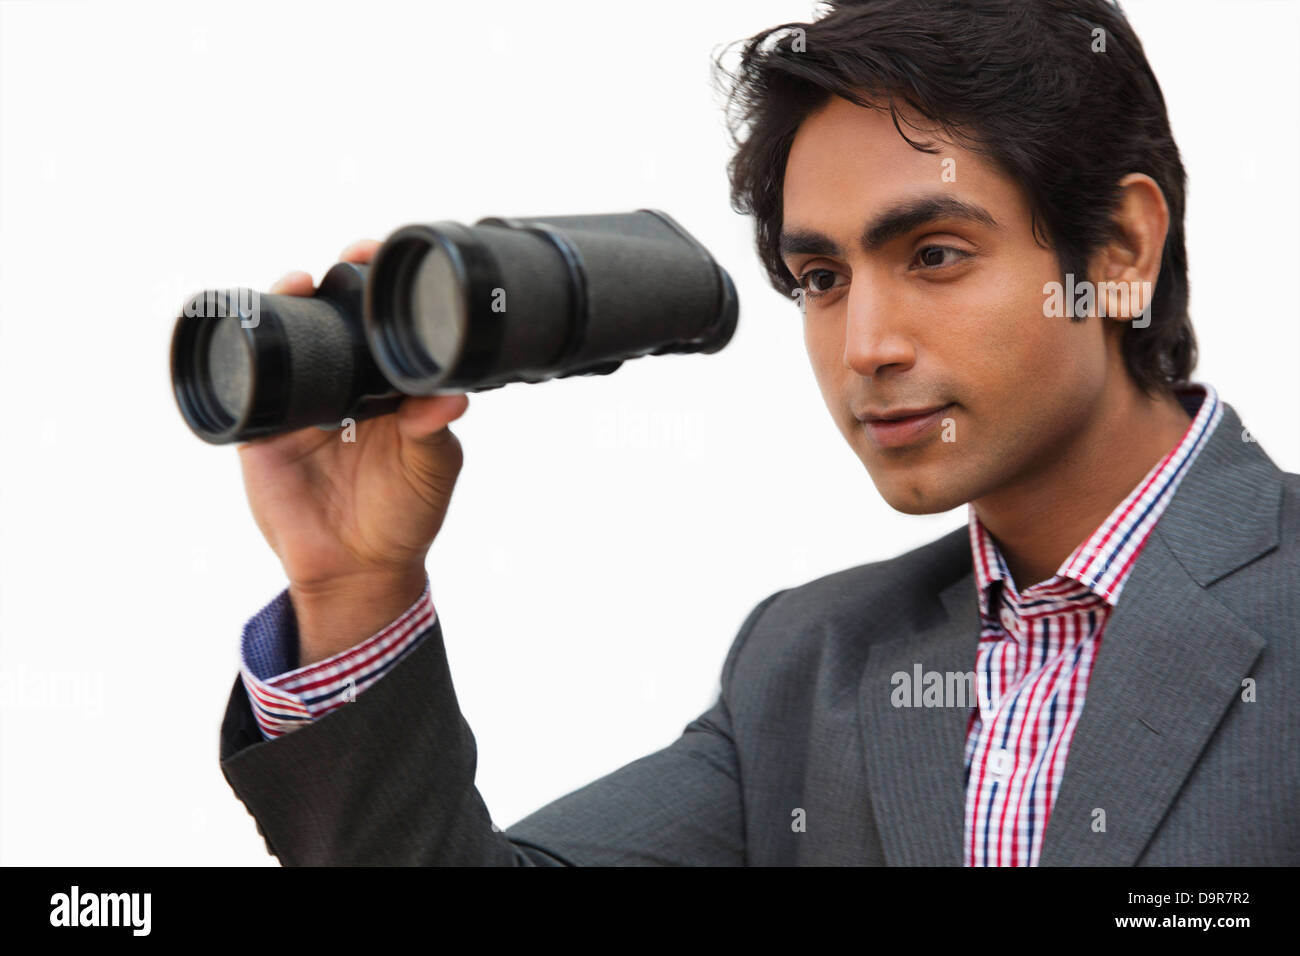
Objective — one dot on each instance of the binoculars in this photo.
(444, 307)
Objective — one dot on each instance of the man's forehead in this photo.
(871, 129)
(849, 164)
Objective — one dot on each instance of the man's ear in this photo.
(1124, 270)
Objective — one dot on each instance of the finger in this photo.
(294, 283)
(360, 251)
(422, 418)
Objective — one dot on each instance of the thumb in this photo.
(424, 419)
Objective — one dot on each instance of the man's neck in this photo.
(1038, 522)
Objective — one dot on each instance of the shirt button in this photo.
(1008, 620)
(1000, 763)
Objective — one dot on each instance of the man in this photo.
(1094, 671)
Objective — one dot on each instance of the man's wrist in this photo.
(335, 617)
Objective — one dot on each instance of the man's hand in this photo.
(352, 522)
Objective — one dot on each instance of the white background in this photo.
(608, 535)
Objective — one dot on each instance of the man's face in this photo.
(943, 310)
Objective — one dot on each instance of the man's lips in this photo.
(892, 428)
(896, 413)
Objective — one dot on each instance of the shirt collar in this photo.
(1102, 563)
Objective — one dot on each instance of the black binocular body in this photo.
(443, 307)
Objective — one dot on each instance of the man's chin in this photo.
(913, 496)
(927, 507)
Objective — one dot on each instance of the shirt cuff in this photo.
(285, 697)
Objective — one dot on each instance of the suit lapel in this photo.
(915, 754)
(1171, 660)
(1170, 664)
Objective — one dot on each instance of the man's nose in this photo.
(875, 339)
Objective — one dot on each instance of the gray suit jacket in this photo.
(1187, 771)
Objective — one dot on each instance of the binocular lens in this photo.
(438, 308)
(229, 368)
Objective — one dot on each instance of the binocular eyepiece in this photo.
(445, 307)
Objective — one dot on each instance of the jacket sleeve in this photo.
(285, 697)
(388, 779)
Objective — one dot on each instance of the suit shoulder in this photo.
(1291, 493)
(897, 592)
(921, 573)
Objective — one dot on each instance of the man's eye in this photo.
(933, 256)
(817, 282)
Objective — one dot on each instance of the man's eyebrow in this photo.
(896, 221)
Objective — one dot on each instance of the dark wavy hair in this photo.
(1017, 81)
